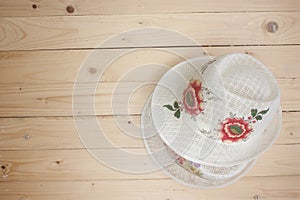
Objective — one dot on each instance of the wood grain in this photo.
(60, 133)
(42, 46)
(65, 165)
(56, 99)
(62, 165)
(61, 66)
(94, 7)
(89, 31)
(275, 188)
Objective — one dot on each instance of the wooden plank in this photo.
(94, 7)
(56, 99)
(271, 162)
(43, 156)
(50, 165)
(62, 165)
(62, 66)
(286, 88)
(60, 133)
(270, 188)
(282, 61)
(89, 31)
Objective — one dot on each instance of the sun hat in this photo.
(209, 111)
(182, 170)
(215, 116)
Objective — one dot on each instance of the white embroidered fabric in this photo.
(233, 85)
(212, 176)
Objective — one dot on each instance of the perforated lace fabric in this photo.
(239, 89)
(212, 176)
(236, 88)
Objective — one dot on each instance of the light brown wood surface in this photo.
(60, 133)
(282, 187)
(283, 62)
(94, 7)
(56, 99)
(42, 48)
(64, 32)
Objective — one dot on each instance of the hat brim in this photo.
(155, 144)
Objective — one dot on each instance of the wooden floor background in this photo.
(42, 46)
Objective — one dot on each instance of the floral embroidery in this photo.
(234, 129)
(192, 100)
(188, 165)
(180, 159)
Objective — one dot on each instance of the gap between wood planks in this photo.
(150, 47)
(20, 84)
(155, 13)
(118, 147)
(174, 13)
(146, 179)
(97, 115)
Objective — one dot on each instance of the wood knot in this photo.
(34, 6)
(248, 52)
(27, 136)
(42, 100)
(70, 9)
(272, 27)
(255, 197)
(5, 169)
(24, 198)
(59, 162)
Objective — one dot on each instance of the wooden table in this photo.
(43, 44)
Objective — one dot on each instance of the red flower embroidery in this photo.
(234, 129)
(178, 158)
(192, 98)
(181, 160)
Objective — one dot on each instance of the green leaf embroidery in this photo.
(190, 99)
(258, 117)
(264, 111)
(177, 114)
(235, 129)
(169, 107)
(253, 112)
(176, 104)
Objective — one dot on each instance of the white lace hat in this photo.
(220, 114)
(182, 170)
